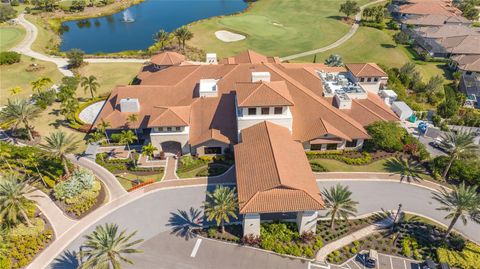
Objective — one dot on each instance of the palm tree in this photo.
(105, 247)
(41, 83)
(90, 84)
(20, 111)
(60, 144)
(462, 202)
(103, 126)
(221, 205)
(338, 203)
(148, 150)
(409, 169)
(334, 60)
(13, 203)
(183, 34)
(95, 137)
(127, 137)
(132, 119)
(161, 37)
(458, 146)
(15, 90)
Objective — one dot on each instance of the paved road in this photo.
(157, 212)
(25, 48)
(114, 188)
(337, 43)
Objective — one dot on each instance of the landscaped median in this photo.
(204, 166)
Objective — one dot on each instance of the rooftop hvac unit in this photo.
(208, 88)
(129, 105)
(211, 58)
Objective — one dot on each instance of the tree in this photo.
(69, 107)
(127, 137)
(339, 203)
(449, 107)
(367, 13)
(386, 135)
(103, 126)
(41, 84)
(75, 58)
(131, 120)
(105, 247)
(15, 90)
(458, 145)
(20, 112)
(95, 137)
(183, 34)
(334, 60)
(408, 169)
(7, 12)
(221, 205)
(349, 8)
(148, 150)
(401, 38)
(434, 85)
(60, 144)
(90, 84)
(161, 37)
(462, 202)
(13, 203)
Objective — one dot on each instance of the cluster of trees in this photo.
(9, 57)
(163, 39)
(375, 14)
(7, 12)
(469, 8)
(349, 8)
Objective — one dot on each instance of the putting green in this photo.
(10, 36)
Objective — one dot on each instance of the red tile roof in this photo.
(366, 70)
(263, 94)
(167, 58)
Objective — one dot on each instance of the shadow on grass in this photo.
(185, 222)
(388, 46)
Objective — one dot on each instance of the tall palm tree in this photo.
(338, 203)
(462, 202)
(20, 112)
(103, 126)
(148, 150)
(105, 247)
(127, 137)
(90, 84)
(131, 120)
(60, 144)
(183, 34)
(458, 146)
(221, 204)
(161, 37)
(41, 83)
(13, 203)
(408, 169)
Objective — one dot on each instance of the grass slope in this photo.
(275, 27)
(10, 36)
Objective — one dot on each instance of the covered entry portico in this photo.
(273, 177)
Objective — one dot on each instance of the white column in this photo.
(307, 221)
(251, 224)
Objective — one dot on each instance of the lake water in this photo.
(113, 34)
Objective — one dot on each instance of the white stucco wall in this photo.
(251, 224)
(307, 221)
(200, 149)
(157, 138)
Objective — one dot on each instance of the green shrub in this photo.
(80, 180)
(9, 57)
(406, 247)
(467, 258)
(212, 232)
(356, 243)
(318, 243)
(386, 135)
(308, 252)
(38, 225)
(354, 250)
(316, 167)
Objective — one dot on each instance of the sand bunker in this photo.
(227, 36)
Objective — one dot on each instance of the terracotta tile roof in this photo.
(436, 20)
(265, 181)
(170, 116)
(366, 70)
(468, 44)
(468, 62)
(263, 94)
(167, 58)
(251, 57)
(427, 8)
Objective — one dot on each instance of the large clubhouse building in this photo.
(266, 111)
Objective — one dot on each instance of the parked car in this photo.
(371, 259)
(428, 264)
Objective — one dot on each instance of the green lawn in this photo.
(16, 75)
(274, 27)
(337, 166)
(10, 36)
(109, 75)
(126, 179)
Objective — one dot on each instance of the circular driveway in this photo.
(154, 213)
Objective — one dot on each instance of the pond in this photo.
(133, 28)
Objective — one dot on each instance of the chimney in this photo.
(342, 101)
(129, 105)
(211, 58)
(260, 76)
(208, 88)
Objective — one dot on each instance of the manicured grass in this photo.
(337, 166)
(275, 27)
(109, 75)
(10, 36)
(126, 179)
(16, 75)
(378, 46)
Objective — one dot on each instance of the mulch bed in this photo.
(341, 228)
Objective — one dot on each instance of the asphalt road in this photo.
(158, 212)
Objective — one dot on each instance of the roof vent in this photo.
(342, 101)
(129, 105)
(208, 88)
(260, 76)
(211, 58)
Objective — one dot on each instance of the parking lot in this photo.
(384, 262)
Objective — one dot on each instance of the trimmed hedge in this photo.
(338, 155)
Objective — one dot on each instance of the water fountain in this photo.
(127, 16)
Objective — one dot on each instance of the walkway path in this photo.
(25, 48)
(114, 188)
(59, 221)
(170, 169)
(337, 43)
(328, 248)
